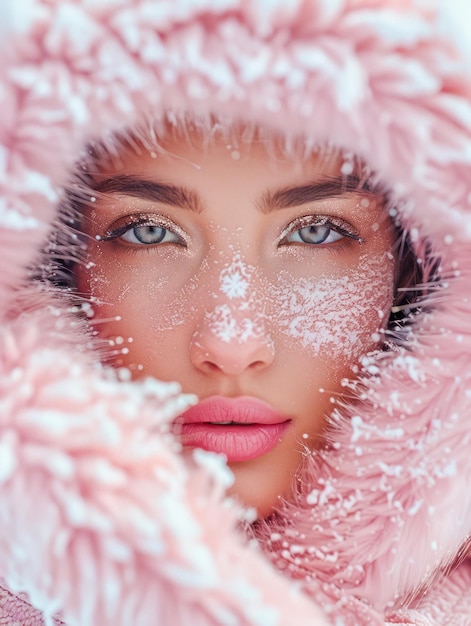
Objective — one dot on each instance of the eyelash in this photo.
(333, 223)
(131, 222)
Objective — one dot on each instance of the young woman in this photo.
(257, 247)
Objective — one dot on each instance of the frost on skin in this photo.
(328, 313)
(235, 279)
(228, 327)
(242, 318)
(325, 313)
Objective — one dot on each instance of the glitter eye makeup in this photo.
(317, 229)
(145, 229)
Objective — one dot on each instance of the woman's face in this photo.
(243, 276)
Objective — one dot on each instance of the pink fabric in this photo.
(448, 604)
(102, 521)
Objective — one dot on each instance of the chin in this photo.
(261, 484)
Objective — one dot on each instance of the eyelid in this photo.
(336, 223)
(127, 222)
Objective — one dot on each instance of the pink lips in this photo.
(241, 428)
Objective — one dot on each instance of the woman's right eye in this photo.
(149, 235)
(145, 230)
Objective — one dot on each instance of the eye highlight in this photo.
(145, 230)
(317, 230)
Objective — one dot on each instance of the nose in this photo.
(229, 353)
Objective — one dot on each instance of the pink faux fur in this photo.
(101, 520)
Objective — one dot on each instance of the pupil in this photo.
(314, 234)
(149, 234)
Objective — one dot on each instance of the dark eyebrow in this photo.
(154, 191)
(331, 187)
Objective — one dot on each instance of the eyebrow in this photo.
(331, 187)
(287, 197)
(151, 190)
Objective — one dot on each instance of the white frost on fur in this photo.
(17, 16)
(8, 459)
(392, 130)
(259, 612)
(35, 182)
(455, 22)
(14, 220)
(388, 25)
(215, 465)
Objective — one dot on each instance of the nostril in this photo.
(211, 367)
(256, 365)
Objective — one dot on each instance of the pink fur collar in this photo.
(101, 520)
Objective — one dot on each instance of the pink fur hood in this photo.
(102, 522)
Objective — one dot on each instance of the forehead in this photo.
(196, 147)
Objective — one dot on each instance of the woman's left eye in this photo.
(317, 230)
(314, 234)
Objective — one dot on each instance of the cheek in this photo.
(310, 316)
(145, 293)
(141, 309)
(339, 316)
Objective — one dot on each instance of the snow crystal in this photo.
(234, 279)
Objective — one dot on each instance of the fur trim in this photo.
(384, 509)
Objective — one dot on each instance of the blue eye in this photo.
(316, 230)
(314, 235)
(146, 230)
(149, 235)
